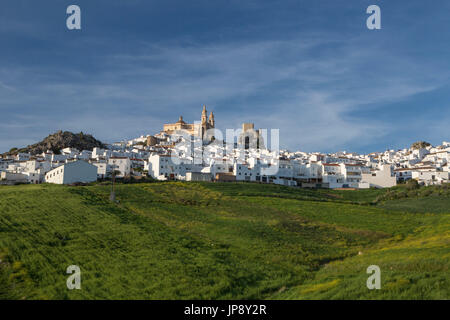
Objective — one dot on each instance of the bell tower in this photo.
(204, 115)
(211, 119)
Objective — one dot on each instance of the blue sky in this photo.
(310, 68)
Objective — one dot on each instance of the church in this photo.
(195, 129)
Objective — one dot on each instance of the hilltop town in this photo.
(198, 152)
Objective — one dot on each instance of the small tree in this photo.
(56, 150)
(412, 184)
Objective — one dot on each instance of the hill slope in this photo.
(61, 140)
(215, 241)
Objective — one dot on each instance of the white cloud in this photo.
(311, 94)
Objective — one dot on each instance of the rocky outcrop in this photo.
(60, 140)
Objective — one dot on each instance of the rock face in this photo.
(420, 145)
(61, 140)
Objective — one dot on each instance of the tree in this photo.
(412, 184)
(56, 150)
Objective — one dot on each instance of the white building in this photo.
(332, 175)
(198, 176)
(12, 178)
(383, 178)
(161, 167)
(429, 176)
(103, 169)
(72, 172)
(121, 164)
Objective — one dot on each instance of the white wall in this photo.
(78, 171)
(381, 178)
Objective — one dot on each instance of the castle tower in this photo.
(211, 119)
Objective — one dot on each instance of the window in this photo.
(247, 142)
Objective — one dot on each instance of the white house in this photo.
(429, 176)
(12, 178)
(352, 174)
(71, 172)
(383, 178)
(161, 167)
(22, 156)
(243, 172)
(332, 175)
(198, 176)
(167, 167)
(4, 163)
(34, 177)
(103, 169)
(122, 164)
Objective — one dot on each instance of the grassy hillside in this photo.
(221, 241)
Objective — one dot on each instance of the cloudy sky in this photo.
(310, 68)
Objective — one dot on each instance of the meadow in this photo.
(175, 240)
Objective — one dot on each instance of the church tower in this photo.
(211, 119)
(204, 122)
(204, 115)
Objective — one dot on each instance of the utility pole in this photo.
(112, 196)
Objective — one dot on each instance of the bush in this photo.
(428, 192)
(401, 195)
(412, 194)
(412, 184)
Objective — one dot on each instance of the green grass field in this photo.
(222, 241)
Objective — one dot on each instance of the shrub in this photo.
(401, 195)
(412, 194)
(412, 184)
